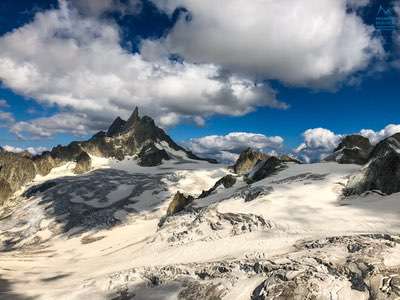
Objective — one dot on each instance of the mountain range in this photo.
(130, 214)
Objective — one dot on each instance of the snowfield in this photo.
(97, 236)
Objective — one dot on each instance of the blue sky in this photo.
(357, 88)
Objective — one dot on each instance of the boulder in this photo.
(264, 168)
(178, 203)
(247, 160)
(83, 163)
(382, 171)
(353, 149)
(151, 156)
(227, 181)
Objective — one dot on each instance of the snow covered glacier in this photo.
(291, 235)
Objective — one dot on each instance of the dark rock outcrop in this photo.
(116, 127)
(133, 120)
(125, 138)
(178, 203)
(264, 168)
(227, 181)
(83, 163)
(247, 160)
(151, 156)
(353, 149)
(382, 172)
(251, 193)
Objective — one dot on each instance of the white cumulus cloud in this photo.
(318, 143)
(227, 147)
(377, 136)
(31, 150)
(317, 43)
(75, 62)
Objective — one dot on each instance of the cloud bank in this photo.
(31, 150)
(312, 43)
(226, 148)
(318, 143)
(76, 62)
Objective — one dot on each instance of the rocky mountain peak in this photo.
(382, 171)
(247, 160)
(133, 119)
(116, 127)
(353, 149)
(354, 140)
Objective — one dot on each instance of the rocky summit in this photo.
(353, 149)
(138, 137)
(382, 173)
(247, 160)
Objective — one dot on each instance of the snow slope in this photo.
(96, 236)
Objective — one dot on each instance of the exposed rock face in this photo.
(133, 120)
(226, 181)
(353, 149)
(16, 169)
(126, 138)
(67, 153)
(116, 127)
(264, 168)
(247, 160)
(83, 163)
(289, 159)
(139, 137)
(151, 156)
(178, 203)
(382, 172)
(44, 163)
(5, 190)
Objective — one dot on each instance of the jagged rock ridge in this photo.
(247, 160)
(138, 137)
(382, 171)
(353, 149)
